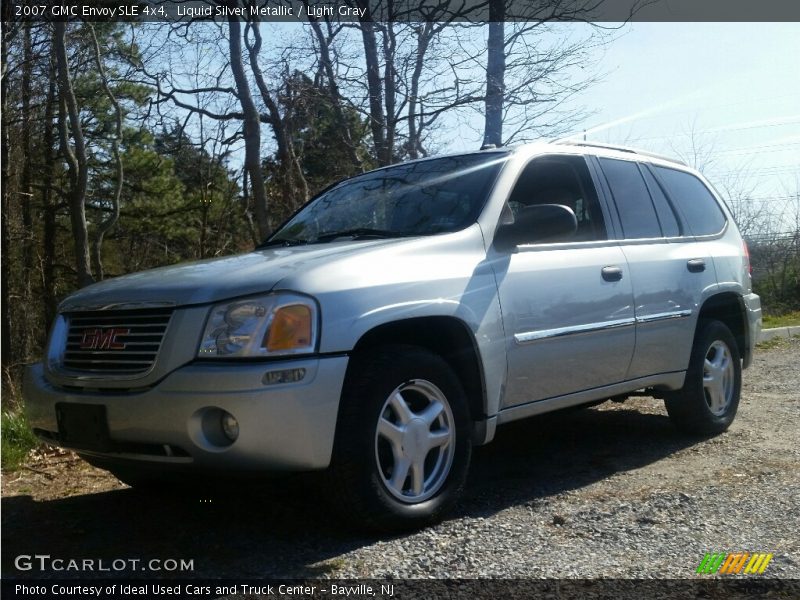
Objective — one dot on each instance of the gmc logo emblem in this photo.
(103, 339)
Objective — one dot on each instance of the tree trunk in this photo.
(26, 182)
(377, 122)
(78, 165)
(390, 88)
(5, 246)
(252, 129)
(295, 181)
(109, 222)
(495, 75)
(415, 148)
(335, 94)
(49, 303)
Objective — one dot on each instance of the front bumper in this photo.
(282, 427)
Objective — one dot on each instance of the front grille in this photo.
(115, 342)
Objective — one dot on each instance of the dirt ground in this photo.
(611, 491)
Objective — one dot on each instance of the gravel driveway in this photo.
(611, 491)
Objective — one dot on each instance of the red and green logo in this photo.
(736, 563)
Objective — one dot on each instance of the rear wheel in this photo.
(402, 444)
(708, 401)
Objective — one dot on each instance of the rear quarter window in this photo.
(666, 216)
(693, 199)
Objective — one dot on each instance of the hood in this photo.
(212, 280)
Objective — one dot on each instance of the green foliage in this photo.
(17, 439)
(319, 141)
(780, 290)
(776, 274)
(179, 203)
(324, 155)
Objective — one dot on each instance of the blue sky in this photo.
(736, 85)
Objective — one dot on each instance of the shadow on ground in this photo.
(284, 530)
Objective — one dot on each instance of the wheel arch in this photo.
(728, 307)
(449, 337)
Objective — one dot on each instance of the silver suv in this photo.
(402, 315)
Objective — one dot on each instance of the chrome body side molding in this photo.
(677, 314)
(528, 337)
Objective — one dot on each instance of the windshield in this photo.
(419, 198)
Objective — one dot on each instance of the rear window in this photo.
(699, 207)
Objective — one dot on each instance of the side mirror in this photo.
(536, 224)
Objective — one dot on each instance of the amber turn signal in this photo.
(290, 328)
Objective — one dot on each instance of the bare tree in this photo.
(377, 118)
(404, 78)
(695, 149)
(49, 202)
(70, 122)
(294, 184)
(106, 224)
(8, 32)
(251, 124)
(26, 183)
(324, 46)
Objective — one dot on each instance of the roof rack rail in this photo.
(572, 142)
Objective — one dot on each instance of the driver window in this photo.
(561, 180)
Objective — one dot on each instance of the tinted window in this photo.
(701, 211)
(561, 180)
(666, 216)
(632, 199)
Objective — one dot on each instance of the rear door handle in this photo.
(696, 265)
(612, 273)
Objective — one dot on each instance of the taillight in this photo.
(747, 257)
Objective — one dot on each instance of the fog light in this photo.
(284, 376)
(230, 426)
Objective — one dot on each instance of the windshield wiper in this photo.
(362, 233)
(281, 242)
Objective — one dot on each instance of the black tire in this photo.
(703, 407)
(361, 477)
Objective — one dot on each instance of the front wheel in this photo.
(402, 445)
(708, 401)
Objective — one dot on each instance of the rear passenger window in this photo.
(666, 216)
(699, 207)
(633, 201)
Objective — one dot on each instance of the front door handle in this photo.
(696, 265)
(612, 273)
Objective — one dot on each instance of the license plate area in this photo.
(83, 426)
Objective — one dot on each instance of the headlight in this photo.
(57, 342)
(272, 325)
